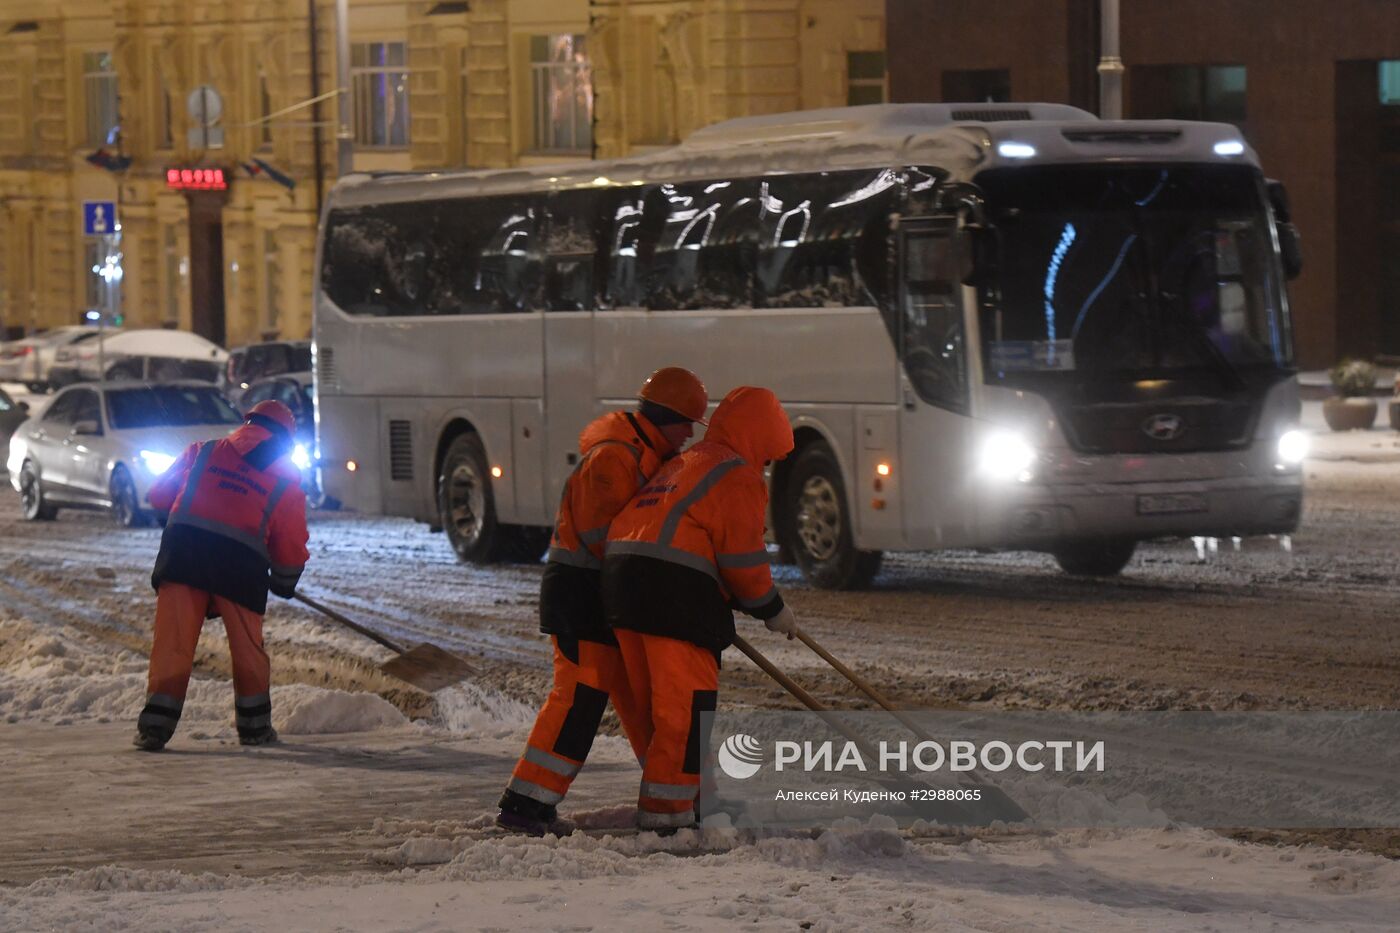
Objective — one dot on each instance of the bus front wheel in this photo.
(816, 524)
(1095, 558)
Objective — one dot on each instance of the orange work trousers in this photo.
(180, 614)
(587, 674)
(673, 683)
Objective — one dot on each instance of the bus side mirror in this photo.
(1290, 247)
(978, 254)
(1279, 201)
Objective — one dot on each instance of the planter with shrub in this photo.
(1352, 408)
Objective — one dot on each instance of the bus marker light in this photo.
(351, 466)
(1231, 147)
(877, 504)
(496, 472)
(883, 469)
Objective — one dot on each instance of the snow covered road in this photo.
(370, 815)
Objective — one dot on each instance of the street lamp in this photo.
(1110, 63)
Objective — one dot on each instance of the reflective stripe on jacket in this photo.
(703, 513)
(237, 518)
(619, 451)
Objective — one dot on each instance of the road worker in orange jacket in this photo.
(619, 452)
(686, 549)
(236, 529)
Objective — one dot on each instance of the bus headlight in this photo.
(1007, 456)
(300, 457)
(1292, 447)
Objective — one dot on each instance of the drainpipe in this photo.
(1110, 63)
(344, 138)
(320, 167)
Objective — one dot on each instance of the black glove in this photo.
(283, 582)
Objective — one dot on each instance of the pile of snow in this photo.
(303, 710)
(62, 678)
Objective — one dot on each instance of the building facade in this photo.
(210, 128)
(1314, 87)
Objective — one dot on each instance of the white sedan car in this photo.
(28, 360)
(103, 446)
(151, 354)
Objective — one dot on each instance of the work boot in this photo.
(148, 741)
(521, 814)
(266, 737)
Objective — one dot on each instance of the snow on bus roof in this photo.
(963, 138)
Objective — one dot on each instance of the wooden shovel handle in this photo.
(331, 613)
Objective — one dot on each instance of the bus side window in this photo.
(571, 250)
(810, 229)
(700, 260)
(933, 345)
(355, 263)
(509, 273)
(633, 227)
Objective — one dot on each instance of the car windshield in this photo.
(1133, 270)
(162, 406)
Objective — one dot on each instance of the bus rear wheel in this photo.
(467, 510)
(1100, 557)
(815, 526)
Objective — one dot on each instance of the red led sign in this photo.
(196, 179)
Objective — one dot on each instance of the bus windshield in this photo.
(1132, 271)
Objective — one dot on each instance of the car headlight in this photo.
(1007, 456)
(1292, 447)
(156, 461)
(301, 458)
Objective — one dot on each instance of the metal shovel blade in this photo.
(428, 667)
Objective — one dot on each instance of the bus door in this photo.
(571, 263)
(936, 432)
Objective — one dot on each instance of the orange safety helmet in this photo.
(677, 389)
(275, 412)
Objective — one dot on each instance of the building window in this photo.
(562, 82)
(464, 89)
(980, 86)
(1207, 92)
(100, 94)
(264, 111)
(1390, 83)
(865, 78)
(272, 316)
(380, 83)
(174, 274)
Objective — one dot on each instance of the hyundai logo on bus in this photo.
(1164, 427)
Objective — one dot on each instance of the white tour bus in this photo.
(993, 325)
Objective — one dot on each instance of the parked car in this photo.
(29, 359)
(150, 355)
(12, 415)
(247, 365)
(102, 446)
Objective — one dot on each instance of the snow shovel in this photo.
(994, 805)
(425, 666)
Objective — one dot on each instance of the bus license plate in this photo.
(1171, 503)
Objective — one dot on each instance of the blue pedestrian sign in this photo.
(99, 218)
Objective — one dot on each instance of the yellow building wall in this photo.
(660, 69)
